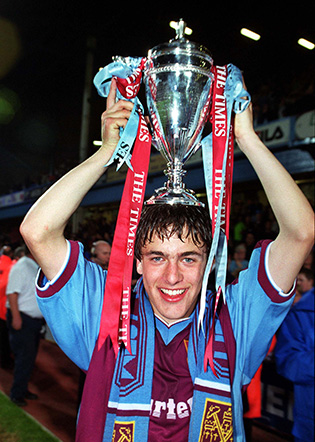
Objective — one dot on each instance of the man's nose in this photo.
(173, 273)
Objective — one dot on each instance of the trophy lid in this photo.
(180, 50)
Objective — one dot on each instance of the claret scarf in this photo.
(228, 95)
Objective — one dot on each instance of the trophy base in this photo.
(165, 195)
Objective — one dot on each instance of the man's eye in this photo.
(157, 259)
(188, 260)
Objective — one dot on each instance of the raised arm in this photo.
(291, 209)
(44, 224)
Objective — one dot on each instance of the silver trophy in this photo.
(177, 83)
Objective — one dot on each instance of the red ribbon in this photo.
(129, 87)
(115, 318)
(116, 307)
(221, 133)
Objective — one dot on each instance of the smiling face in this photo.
(172, 271)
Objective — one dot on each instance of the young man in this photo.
(160, 391)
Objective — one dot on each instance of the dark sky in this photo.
(43, 58)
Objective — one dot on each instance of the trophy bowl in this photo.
(178, 80)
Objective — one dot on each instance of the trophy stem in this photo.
(175, 173)
(174, 191)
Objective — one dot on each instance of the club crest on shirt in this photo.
(123, 432)
(217, 422)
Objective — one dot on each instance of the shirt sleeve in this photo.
(72, 303)
(257, 307)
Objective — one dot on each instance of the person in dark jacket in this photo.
(295, 361)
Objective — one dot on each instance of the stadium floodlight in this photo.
(306, 44)
(250, 34)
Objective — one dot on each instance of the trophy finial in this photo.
(181, 29)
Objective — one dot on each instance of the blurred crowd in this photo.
(34, 181)
(291, 96)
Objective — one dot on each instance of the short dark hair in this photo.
(165, 220)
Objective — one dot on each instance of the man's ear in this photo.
(139, 266)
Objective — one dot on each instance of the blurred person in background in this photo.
(239, 261)
(294, 354)
(100, 253)
(309, 262)
(304, 283)
(25, 323)
(6, 263)
(18, 253)
(250, 242)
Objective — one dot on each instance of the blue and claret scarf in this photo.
(117, 391)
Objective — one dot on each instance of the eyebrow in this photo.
(182, 255)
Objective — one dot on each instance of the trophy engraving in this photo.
(178, 82)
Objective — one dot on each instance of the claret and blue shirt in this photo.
(160, 392)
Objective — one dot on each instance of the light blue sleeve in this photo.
(72, 303)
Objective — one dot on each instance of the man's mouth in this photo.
(172, 295)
